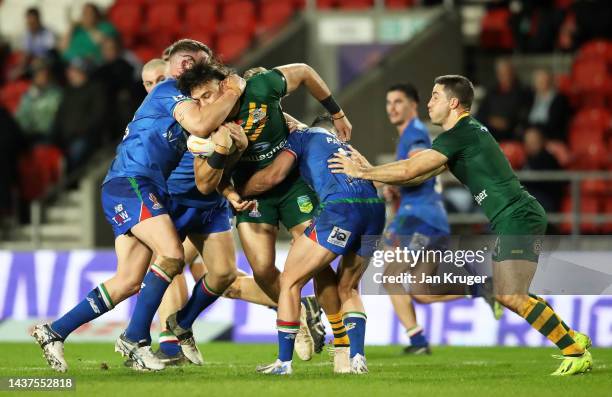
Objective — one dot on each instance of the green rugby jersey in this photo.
(476, 159)
(262, 119)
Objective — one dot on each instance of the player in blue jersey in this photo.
(349, 209)
(135, 201)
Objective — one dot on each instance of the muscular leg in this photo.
(258, 242)
(159, 234)
(512, 279)
(349, 273)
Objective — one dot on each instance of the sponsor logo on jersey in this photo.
(118, 208)
(255, 211)
(261, 146)
(350, 326)
(258, 115)
(156, 204)
(339, 237)
(305, 204)
(264, 156)
(121, 217)
(178, 97)
(481, 196)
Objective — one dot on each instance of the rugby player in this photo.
(349, 209)
(293, 202)
(135, 201)
(471, 153)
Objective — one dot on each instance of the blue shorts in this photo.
(340, 225)
(188, 220)
(411, 232)
(130, 200)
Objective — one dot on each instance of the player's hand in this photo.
(222, 138)
(359, 158)
(233, 82)
(296, 125)
(238, 136)
(341, 164)
(343, 126)
(390, 193)
(239, 204)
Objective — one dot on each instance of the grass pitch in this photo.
(229, 371)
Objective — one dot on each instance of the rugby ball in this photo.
(200, 147)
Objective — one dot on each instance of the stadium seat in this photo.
(398, 4)
(588, 154)
(11, 93)
(163, 23)
(354, 4)
(325, 4)
(231, 45)
(594, 187)
(593, 118)
(145, 53)
(201, 16)
(591, 82)
(515, 153)
(237, 17)
(274, 14)
(588, 205)
(607, 207)
(39, 170)
(127, 18)
(495, 30)
(595, 50)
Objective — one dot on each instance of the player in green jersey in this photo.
(292, 202)
(471, 153)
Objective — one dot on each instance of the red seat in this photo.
(237, 16)
(495, 30)
(39, 170)
(11, 93)
(595, 50)
(164, 16)
(127, 18)
(398, 4)
(607, 206)
(355, 4)
(274, 14)
(588, 154)
(594, 187)
(230, 46)
(592, 118)
(591, 82)
(201, 16)
(325, 4)
(588, 205)
(515, 153)
(145, 53)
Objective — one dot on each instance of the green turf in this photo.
(229, 371)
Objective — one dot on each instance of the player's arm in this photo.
(297, 74)
(201, 120)
(293, 123)
(265, 179)
(426, 164)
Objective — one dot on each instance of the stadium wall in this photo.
(39, 285)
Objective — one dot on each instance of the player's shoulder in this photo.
(270, 81)
(167, 87)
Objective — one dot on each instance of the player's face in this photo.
(151, 77)
(439, 105)
(207, 93)
(398, 107)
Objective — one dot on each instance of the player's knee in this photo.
(289, 281)
(234, 291)
(171, 266)
(225, 278)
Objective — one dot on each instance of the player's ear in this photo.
(453, 103)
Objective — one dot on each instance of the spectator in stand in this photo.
(535, 24)
(504, 105)
(116, 74)
(539, 159)
(39, 104)
(84, 39)
(39, 40)
(550, 110)
(11, 145)
(80, 120)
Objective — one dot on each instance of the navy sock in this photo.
(200, 299)
(417, 338)
(287, 330)
(154, 285)
(168, 343)
(96, 303)
(355, 323)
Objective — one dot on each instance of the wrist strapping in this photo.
(330, 105)
(217, 160)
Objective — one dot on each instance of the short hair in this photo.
(201, 73)
(188, 45)
(408, 89)
(166, 54)
(33, 11)
(323, 121)
(154, 63)
(459, 87)
(253, 72)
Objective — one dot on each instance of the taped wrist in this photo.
(330, 105)
(217, 160)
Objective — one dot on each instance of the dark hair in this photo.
(188, 45)
(459, 87)
(33, 11)
(323, 121)
(408, 89)
(201, 73)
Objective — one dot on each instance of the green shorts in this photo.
(292, 202)
(520, 229)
